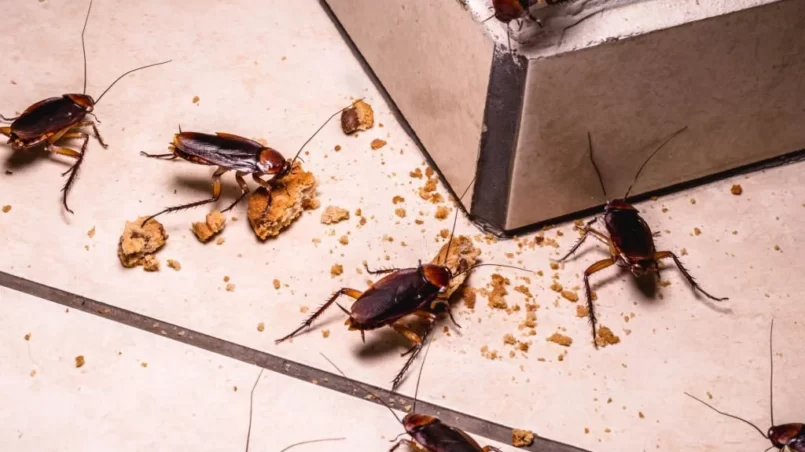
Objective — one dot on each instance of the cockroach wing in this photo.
(396, 295)
(630, 233)
(237, 154)
(47, 117)
(246, 141)
(440, 437)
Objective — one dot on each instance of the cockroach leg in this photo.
(244, 190)
(73, 170)
(216, 194)
(306, 324)
(448, 308)
(664, 254)
(267, 186)
(409, 334)
(169, 156)
(408, 443)
(95, 130)
(6, 131)
(414, 352)
(380, 271)
(587, 231)
(596, 267)
(9, 119)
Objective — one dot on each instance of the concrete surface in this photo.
(677, 342)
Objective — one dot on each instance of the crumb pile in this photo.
(212, 225)
(290, 196)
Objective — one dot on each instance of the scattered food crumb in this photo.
(290, 196)
(333, 214)
(570, 295)
(220, 241)
(697, 231)
(143, 364)
(692, 200)
(6, 209)
(377, 144)
(33, 373)
(304, 309)
(582, 311)
(276, 284)
(489, 354)
(91, 232)
(325, 333)
(138, 244)
(497, 296)
(212, 225)
(776, 247)
(400, 212)
(336, 270)
(683, 251)
(261, 327)
(196, 99)
(230, 287)
(80, 361)
(416, 174)
(344, 240)
(522, 438)
(337, 147)
(174, 264)
(554, 266)
(358, 116)
(28, 337)
(556, 287)
(586, 431)
(509, 339)
(606, 337)
(442, 212)
(561, 339)
(397, 199)
(736, 189)
(640, 413)
(226, 278)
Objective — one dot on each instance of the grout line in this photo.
(485, 428)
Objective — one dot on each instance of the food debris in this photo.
(138, 244)
(509, 339)
(561, 339)
(230, 287)
(416, 174)
(325, 333)
(442, 212)
(377, 144)
(213, 224)
(220, 241)
(80, 361)
(683, 251)
(6, 209)
(344, 240)
(497, 296)
(336, 270)
(397, 199)
(304, 309)
(606, 337)
(697, 231)
(196, 99)
(489, 354)
(143, 364)
(226, 278)
(400, 212)
(693, 200)
(174, 264)
(358, 116)
(91, 232)
(337, 148)
(522, 438)
(468, 295)
(736, 189)
(333, 214)
(640, 413)
(261, 327)
(570, 295)
(33, 373)
(276, 284)
(463, 255)
(582, 311)
(27, 337)
(556, 287)
(289, 197)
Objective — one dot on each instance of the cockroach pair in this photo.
(52, 120)
(629, 238)
(428, 432)
(403, 292)
(230, 153)
(791, 436)
(249, 431)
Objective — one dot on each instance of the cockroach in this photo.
(60, 118)
(249, 431)
(508, 11)
(791, 436)
(403, 292)
(230, 153)
(630, 240)
(428, 432)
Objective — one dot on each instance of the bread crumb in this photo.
(586, 431)
(196, 99)
(143, 364)
(336, 270)
(582, 311)
(683, 251)
(468, 296)
(220, 241)
(377, 144)
(641, 415)
(6, 209)
(138, 244)
(522, 438)
(400, 212)
(497, 296)
(736, 189)
(397, 199)
(261, 327)
(524, 290)
(212, 225)
(359, 116)
(556, 287)
(290, 196)
(33, 373)
(276, 283)
(333, 214)
(428, 172)
(489, 354)
(226, 278)
(325, 333)
(174, 264)
(692, 200)
(230, 287)
(509, 339)
(416, 174)
(570, 295)
(697, 231)
(80, 361)
(606, 337)
(554, 266)
(304, 309)
(337, 148)
(442, 212)
(27, 337)
(561, 339)
(91, 232)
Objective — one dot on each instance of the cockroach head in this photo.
(643, 267)
(414, 422)
(782, 435)
(82, 100)
(508, 10)
(620, 204)
(437, 275)
(270, 161)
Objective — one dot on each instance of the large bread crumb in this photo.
(561, 339)
(333, 214)
(290, 196)
(359, 116)
(463, 255)
(213, 224)
(138, 244)
(606, 337)
(522, 438)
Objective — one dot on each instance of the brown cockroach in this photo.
(428, 432)
(403, 292)
(508, 11)
(249, 431)
(230, 153)
(60, 118)
(630, 240)
(792, 435)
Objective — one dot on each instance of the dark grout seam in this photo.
(488, 429)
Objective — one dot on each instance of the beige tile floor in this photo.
(274, 71)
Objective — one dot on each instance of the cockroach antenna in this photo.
(311, 442)
(595, 165)
(771, 371)
(491, 265)
(648, 159)
(127, 73)
(251, 406)
(83, 47)
(319, 130)
(727, 414)
(419, 377)
(455, 220)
